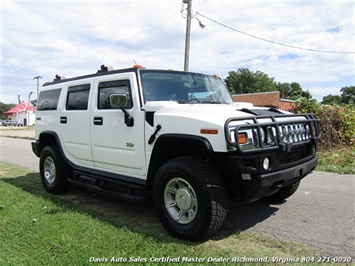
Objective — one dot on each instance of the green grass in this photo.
(37, 228)
(337, 160)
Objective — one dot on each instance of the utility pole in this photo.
(28, 109)
(38, 77)
(188, 30)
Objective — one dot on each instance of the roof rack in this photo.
(57, 77)
(104, 68)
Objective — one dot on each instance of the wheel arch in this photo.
(169, 146)
(47, 138)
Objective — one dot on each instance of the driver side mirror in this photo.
(117, 101)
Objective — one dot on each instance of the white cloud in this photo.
(75, 38)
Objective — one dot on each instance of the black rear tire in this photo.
(190, 198)
(54, 171)
(283, 193)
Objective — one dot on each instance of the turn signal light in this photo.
(209, 131)
(242, 138)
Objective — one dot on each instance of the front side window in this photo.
(114, 87)
(183, 87)
(78, 97)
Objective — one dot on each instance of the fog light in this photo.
(246, 176)
(266, 163)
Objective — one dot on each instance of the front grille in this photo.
(294, 132)
(294, 155)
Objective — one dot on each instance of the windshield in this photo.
(183, 87)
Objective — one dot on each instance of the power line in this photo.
(273, 42)
(213, 50)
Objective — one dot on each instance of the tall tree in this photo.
(292, 91)
(5, 107)
(284, 89)
(332, 99)
(246, 81)
(348, 95)
(297, 92)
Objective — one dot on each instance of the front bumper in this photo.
(35, 148)
(269, 151)
(262, 185)
(258, 184)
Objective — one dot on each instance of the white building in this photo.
(24, 113)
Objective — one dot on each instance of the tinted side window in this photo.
(48, 100)
(114, 87)
(78, 97)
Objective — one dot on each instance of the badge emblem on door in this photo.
(129, 145)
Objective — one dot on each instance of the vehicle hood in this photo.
(212, 114)
(204, 120)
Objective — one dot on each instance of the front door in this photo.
(116, 147)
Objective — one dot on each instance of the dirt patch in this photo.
(2, 172)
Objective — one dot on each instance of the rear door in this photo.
(116, 147)
(74, 123)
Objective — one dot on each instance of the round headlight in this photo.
(266, 163)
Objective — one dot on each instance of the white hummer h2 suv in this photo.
(174, 137)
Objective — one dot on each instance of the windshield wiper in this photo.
(214, 102)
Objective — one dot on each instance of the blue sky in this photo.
(70, 38)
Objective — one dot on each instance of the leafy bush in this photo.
(347, 130)
(337, 122)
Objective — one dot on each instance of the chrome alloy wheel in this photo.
(180, 200)
(49, 170)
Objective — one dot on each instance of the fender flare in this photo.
(169, 146)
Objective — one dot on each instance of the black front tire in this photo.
(190, 198)
(283, 193)
(54, 171)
